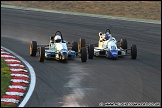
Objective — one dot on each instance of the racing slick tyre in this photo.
(90, 51)
(123, 43)
(133, 52)
(83, 54)
(33, 48)
(75, 47)
(41, 54)
(81, 44)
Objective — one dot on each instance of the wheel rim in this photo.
(31, 48)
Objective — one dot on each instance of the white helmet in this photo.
(57, 38)
(100, 33)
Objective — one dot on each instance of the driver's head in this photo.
(57, 38)
(100, 33)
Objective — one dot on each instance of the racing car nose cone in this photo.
(64, 55)
(113, 54)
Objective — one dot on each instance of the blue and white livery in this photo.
(58, 49)
(109, 47)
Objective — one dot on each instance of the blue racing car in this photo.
(109, 47)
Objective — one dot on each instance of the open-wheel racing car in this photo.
(58, 49)
(109, 47)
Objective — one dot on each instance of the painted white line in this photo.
(4, 52)
(16, 65)
(32, 78)
(21, 75)
(12, 60)
(19, 80)
(13, 69)
(9, 100)
(15, 93)
(19, 87)
(85, 14)
(7, 56)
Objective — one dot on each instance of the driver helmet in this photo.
(57, 38)
(100, 34)
(107, 36)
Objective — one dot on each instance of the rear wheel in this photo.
(123, 43)
(90, 51)
(41, 54)
(75, 47)
(33, 48)
(81, 44)
(83, 54)
(133, 52)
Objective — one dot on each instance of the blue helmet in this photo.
(107, 36)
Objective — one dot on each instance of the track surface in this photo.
(98, 80)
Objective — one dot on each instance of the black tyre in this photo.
(33, 48)
(123, 43)
(81, 44)
(83, 54)
(133, 52)
(41, 54)
(75, 47)
(96, 45)
(90, 51)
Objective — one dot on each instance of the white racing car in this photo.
(109, 47)
(58, 49)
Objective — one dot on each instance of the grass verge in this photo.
(5, 81)
(131, 9)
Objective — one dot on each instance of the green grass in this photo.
(8, 105)
(5, 80)
(5, 77)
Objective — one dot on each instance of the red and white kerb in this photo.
(19, 79)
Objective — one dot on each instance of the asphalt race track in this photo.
(97, 81)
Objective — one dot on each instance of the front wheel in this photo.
(33, 48)
(81, 44)
(133, 52)
(41, 54)
(90, 51)
(83, 54)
